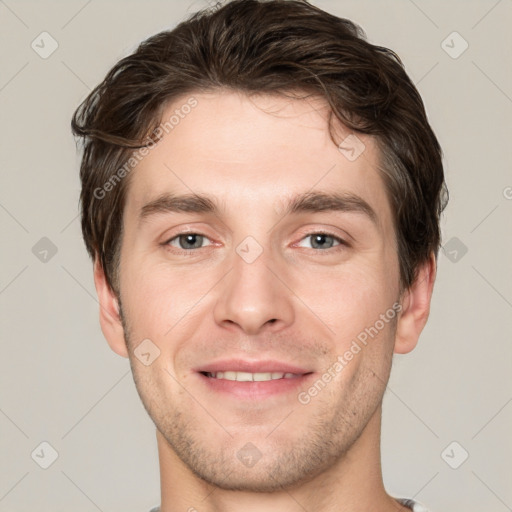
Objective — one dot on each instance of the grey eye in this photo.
(321, 241)
(188, 241)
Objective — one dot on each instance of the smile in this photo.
(251, 377)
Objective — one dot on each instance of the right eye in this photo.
(187, 241)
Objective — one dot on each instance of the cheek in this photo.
(350, 298)
(358, 303)
(156, 296)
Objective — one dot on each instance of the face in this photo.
(255, 287)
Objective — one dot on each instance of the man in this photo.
(261, 193)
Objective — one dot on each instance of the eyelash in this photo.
(179, 250)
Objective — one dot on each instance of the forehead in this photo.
(260, 150)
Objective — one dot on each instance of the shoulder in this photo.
(413, 505)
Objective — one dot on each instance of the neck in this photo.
(354, 482)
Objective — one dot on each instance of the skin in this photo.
(296, 302)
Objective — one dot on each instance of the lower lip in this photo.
(256, 390)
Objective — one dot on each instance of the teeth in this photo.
(252, 377)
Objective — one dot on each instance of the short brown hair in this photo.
(263, 46)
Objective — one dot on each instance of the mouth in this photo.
(246, 380)
(251, 377)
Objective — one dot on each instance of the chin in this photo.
(263, 480)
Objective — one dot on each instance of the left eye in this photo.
(322, 241)
(188, 241)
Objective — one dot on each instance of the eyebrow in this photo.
(305, 202)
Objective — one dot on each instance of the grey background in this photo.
(59, 381)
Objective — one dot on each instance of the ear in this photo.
(415, 308)
(110, 318)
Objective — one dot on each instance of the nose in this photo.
(254, 298)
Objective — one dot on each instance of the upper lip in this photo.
(240, 365)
